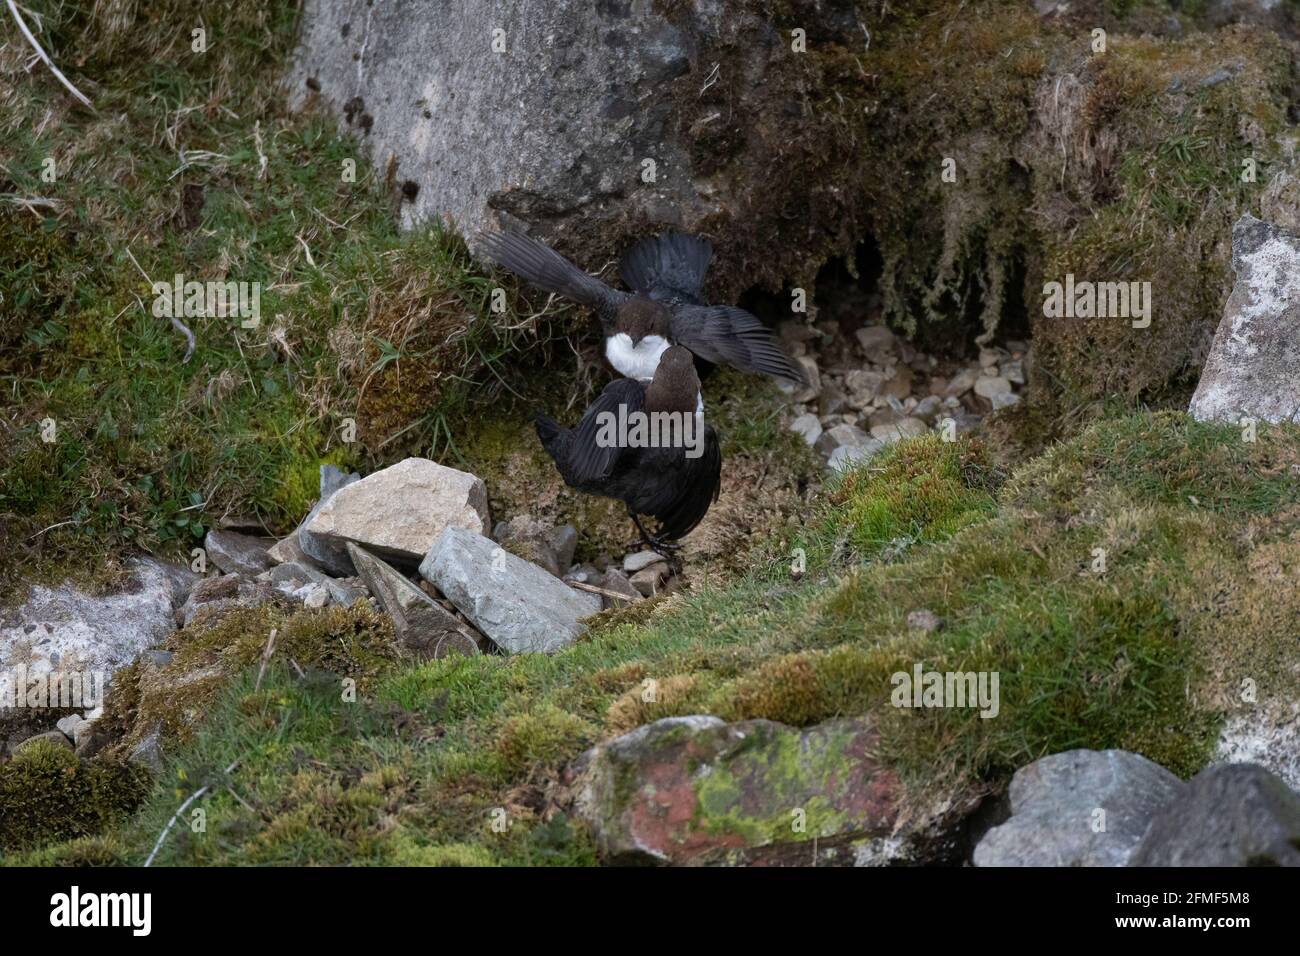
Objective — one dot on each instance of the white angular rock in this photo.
(961, 383)
(903, 428)
(987, 386)
(846, 456)
(808, 427)
(812, 386)
(65, 628)
(875, 340)
(514, 602)
(399, 512)
(237, 553)
(641, 559)
(1253, 369)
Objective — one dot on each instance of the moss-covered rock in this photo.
(686, 787)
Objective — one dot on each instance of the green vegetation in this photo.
(357, 322)
(1123, 584)
(1140, 654)
(47, 794)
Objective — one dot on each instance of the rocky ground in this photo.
(399, 598)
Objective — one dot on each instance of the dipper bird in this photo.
(665, 307)
(673, 482)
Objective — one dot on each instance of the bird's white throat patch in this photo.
(635, 361)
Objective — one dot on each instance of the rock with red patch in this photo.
(698, 790)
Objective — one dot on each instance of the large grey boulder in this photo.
(1253, 369)
(514, 602)
(66, 628)
(399, 512)
(552, 114)
(1228, 815)
(1079, 808)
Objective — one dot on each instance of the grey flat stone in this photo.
(514, 602)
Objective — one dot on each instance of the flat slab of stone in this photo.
(514, 602)
(1079, 808)
(236, 553)
(424, 626)
(399, 512)
(1253, 369)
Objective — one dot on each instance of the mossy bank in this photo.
(1123, 585)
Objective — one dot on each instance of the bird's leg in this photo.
(646, 537)
(657, 543)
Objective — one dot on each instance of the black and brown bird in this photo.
(665, 306)
(673, 483)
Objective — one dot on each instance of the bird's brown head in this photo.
(639, 317)
(676, 385)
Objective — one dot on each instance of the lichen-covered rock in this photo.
(695, 789)
(1228, 815)
(1079, 808)
(513, 601)
(1254, 365)
(399, 512)
(64, 627)
(1267, 736)
(216, 596)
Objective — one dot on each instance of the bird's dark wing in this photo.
(541, 266)
(686, 501)
(591, 457)
(726, 335)
(667, 268)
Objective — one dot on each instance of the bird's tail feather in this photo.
(548, 430)
(672, 262)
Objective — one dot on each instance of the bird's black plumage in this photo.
(665, 306)
(664, 483)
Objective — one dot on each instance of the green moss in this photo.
(544, 737)
(47, 794)
(926, 490)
